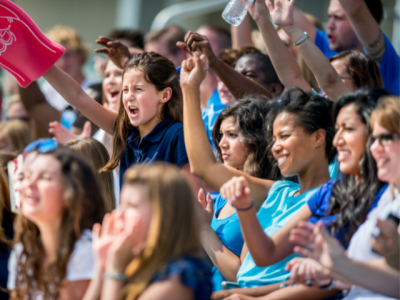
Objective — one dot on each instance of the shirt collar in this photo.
(156, 134)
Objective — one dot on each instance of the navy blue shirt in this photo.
(319, 205)
(7, 225)
(164, 143)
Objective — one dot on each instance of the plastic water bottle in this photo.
(235, 11)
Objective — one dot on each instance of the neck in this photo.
(315, 175)
(49, 234)
(145, 129)
(396, 183)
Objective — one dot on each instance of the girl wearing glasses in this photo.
(61, 200)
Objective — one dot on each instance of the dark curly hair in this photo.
(352, 199)
(84, 206)
(160, 72)
(313, 112)
(250, 116)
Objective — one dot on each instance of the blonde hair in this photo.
(174, 212)
(70, 39)
(17, 134)
(96, 153)
(387, 114)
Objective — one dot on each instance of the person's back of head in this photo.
(258, 67)
(15, 135)
(164, 41)
(96, 154)
(129, 37)
(219, 37)
(174, 211)
(231, 56)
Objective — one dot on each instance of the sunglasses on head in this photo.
(42, 145)
(385, 139)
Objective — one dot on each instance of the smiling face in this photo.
(293, 147)
(387, 157)
(341, 35)
(135, 203)
(142, 102)
(42, 189)
(350, 139)
(112, 84)
(234, 153)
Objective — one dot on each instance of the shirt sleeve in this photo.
(321, 41)
(316, 200)
(179, 151)
(81, 263)
(390, 68)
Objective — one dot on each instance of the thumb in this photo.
(202, 198)
(87, 129)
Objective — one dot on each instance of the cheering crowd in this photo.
(209, 164)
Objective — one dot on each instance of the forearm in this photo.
(241, 35)
(283, 61)
(259, 244)
(376, 276)
(111, 289)
(94, 290)
(366, 28)
(322, 69)
(304, 23)
(224, 260)
(238, 84)
(72, 92)
(300, 292)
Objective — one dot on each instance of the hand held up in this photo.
(237, 192)
(116, 51)
(281, 12)
(193, 71)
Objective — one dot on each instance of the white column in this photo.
(128, 14)
(396, 27)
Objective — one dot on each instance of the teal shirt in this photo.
(275, 212)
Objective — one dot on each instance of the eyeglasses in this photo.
(385, 139)
(42, 145)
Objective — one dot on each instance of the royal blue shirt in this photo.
(389, 66)
(193, 273)
(319, 205)
(229, 232)
(164, 143)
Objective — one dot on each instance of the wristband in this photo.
(329, 286)
(116, 276)
(244, 209)
(299, 42)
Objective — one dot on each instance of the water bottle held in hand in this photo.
(235, 11)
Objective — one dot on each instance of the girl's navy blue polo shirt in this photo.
(164, 143)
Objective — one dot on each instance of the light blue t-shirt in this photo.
(334, 169)
(229, 232)
(275, 212)
(209, 116)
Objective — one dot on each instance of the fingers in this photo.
(184, 47)
(96, 231)
(87, 130)
(210, 204)
(202, 198)
(102, 50)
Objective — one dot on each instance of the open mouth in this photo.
(114, 95)
(282, 159)
(133, 111)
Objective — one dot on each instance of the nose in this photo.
(330, 24)
(276, 147)
(337, 139)
(223, 143)
(376, 147)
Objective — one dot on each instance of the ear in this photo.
(319, 137)
(166, 94)
(275, 88)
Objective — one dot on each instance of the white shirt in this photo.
(80, 264)
(55, 99)
(360, 248)
(107, 140)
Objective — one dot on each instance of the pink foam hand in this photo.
(25, 51)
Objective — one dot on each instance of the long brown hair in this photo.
(17, 133)
(83, 207)
(96, 153)
(160, 72)
(362, 69)
(174, 215)
(4, 204)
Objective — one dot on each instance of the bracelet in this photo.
(244, 209)
(116, 276)
(329, 286)
(306, 36)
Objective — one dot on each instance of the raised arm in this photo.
(237, 84)
(74, 94)
(241, 35)
(265, 250)
(201, 157)
(284, 63)
(37, 106)
(282, 14)
(367, 29)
